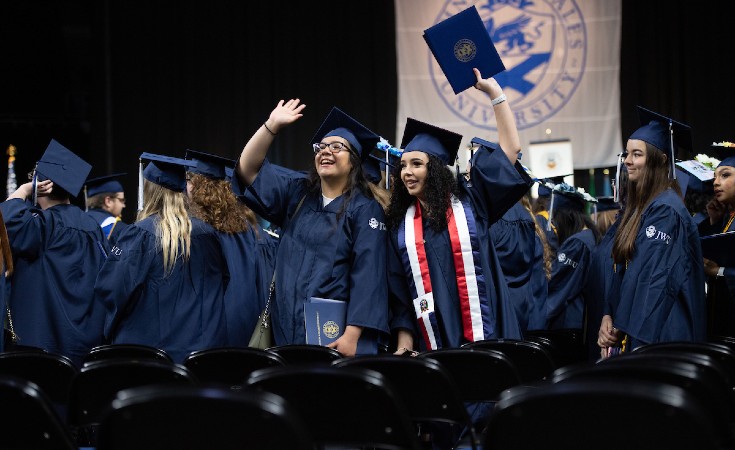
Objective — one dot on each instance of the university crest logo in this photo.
(543, 45)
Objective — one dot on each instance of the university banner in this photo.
(562, 62)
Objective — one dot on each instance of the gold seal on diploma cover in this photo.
(331, 329)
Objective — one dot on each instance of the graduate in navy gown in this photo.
(721, 279)
(657, 251)
(213, 201)
(58, 250)
(163, 284)
(334, 246)
(105, 201)
(446, 284)
(519, 243)
(578, 237)
(6, 270)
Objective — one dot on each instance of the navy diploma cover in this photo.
(324, 320)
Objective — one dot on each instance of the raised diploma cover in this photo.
(460, 43)
(324, 320)
(720, 248)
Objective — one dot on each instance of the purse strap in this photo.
(272, 287)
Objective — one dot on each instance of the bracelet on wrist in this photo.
(269, 130)
(498, 100)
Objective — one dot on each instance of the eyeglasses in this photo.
(122, 200)
(334, 147)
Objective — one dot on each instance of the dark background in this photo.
(111, 79)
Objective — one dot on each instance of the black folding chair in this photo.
(28, 419)
(567, 344)
(719, 352)
(196, 417)
(97, 383)
(427, 390)
(707, 384)
(342, 406)
(230, 366)
(533, 361)
(600, 414)
(53, 373)
(126, 351)
(306, 354)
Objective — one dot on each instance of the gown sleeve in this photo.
(568, 276)
(25, 225)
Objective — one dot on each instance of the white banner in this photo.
(562, 61)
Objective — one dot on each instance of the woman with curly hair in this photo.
(163, 283)
(446, 284)
(213, 201)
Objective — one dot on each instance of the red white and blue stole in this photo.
(473, 301)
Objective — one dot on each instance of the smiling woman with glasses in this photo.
(333, 239)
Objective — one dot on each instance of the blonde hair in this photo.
(548, 253)
(173, 227)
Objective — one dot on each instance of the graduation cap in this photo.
(105, 184)
(338, 123)
(606, 203)
(165, 171)
(695, 176)
(566, 197)
(547, 184)
(211, 166)
(729, 162)
(63, 167)
(664, 133)
(423, 137)
(723, 150)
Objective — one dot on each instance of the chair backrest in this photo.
(423, 385)
(53, 373)
(306, 354)
(28, 419)
(126, 351)
(707, 384)
(480, 374)
(591, 413)
(533, 361)
(200, 417)
(720, 352)
(568, 344)
(230, 366)
(342, 406)
(97, 383)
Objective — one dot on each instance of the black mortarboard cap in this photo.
(660, 131)
(729, 161)
(105, 184)
(607, 203)
(423, 137)
(544, 190)
(63, 167)
(211, 166)
(166, 171)
(338, 123)
(568, 199)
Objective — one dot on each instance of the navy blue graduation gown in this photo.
(181, 312)
(521, 256)
(111, 230)
(598, 288)
(566, 301)
(322, 255)
(494, 187)
(720, 290)
(58, 253)
(242, 297)
(661, 294)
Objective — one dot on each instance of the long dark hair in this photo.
(569, 222)
(355, 181)
(638, 195)
(439, 184)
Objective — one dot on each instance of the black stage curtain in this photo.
(111, 79)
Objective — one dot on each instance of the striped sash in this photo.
(471, 288)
